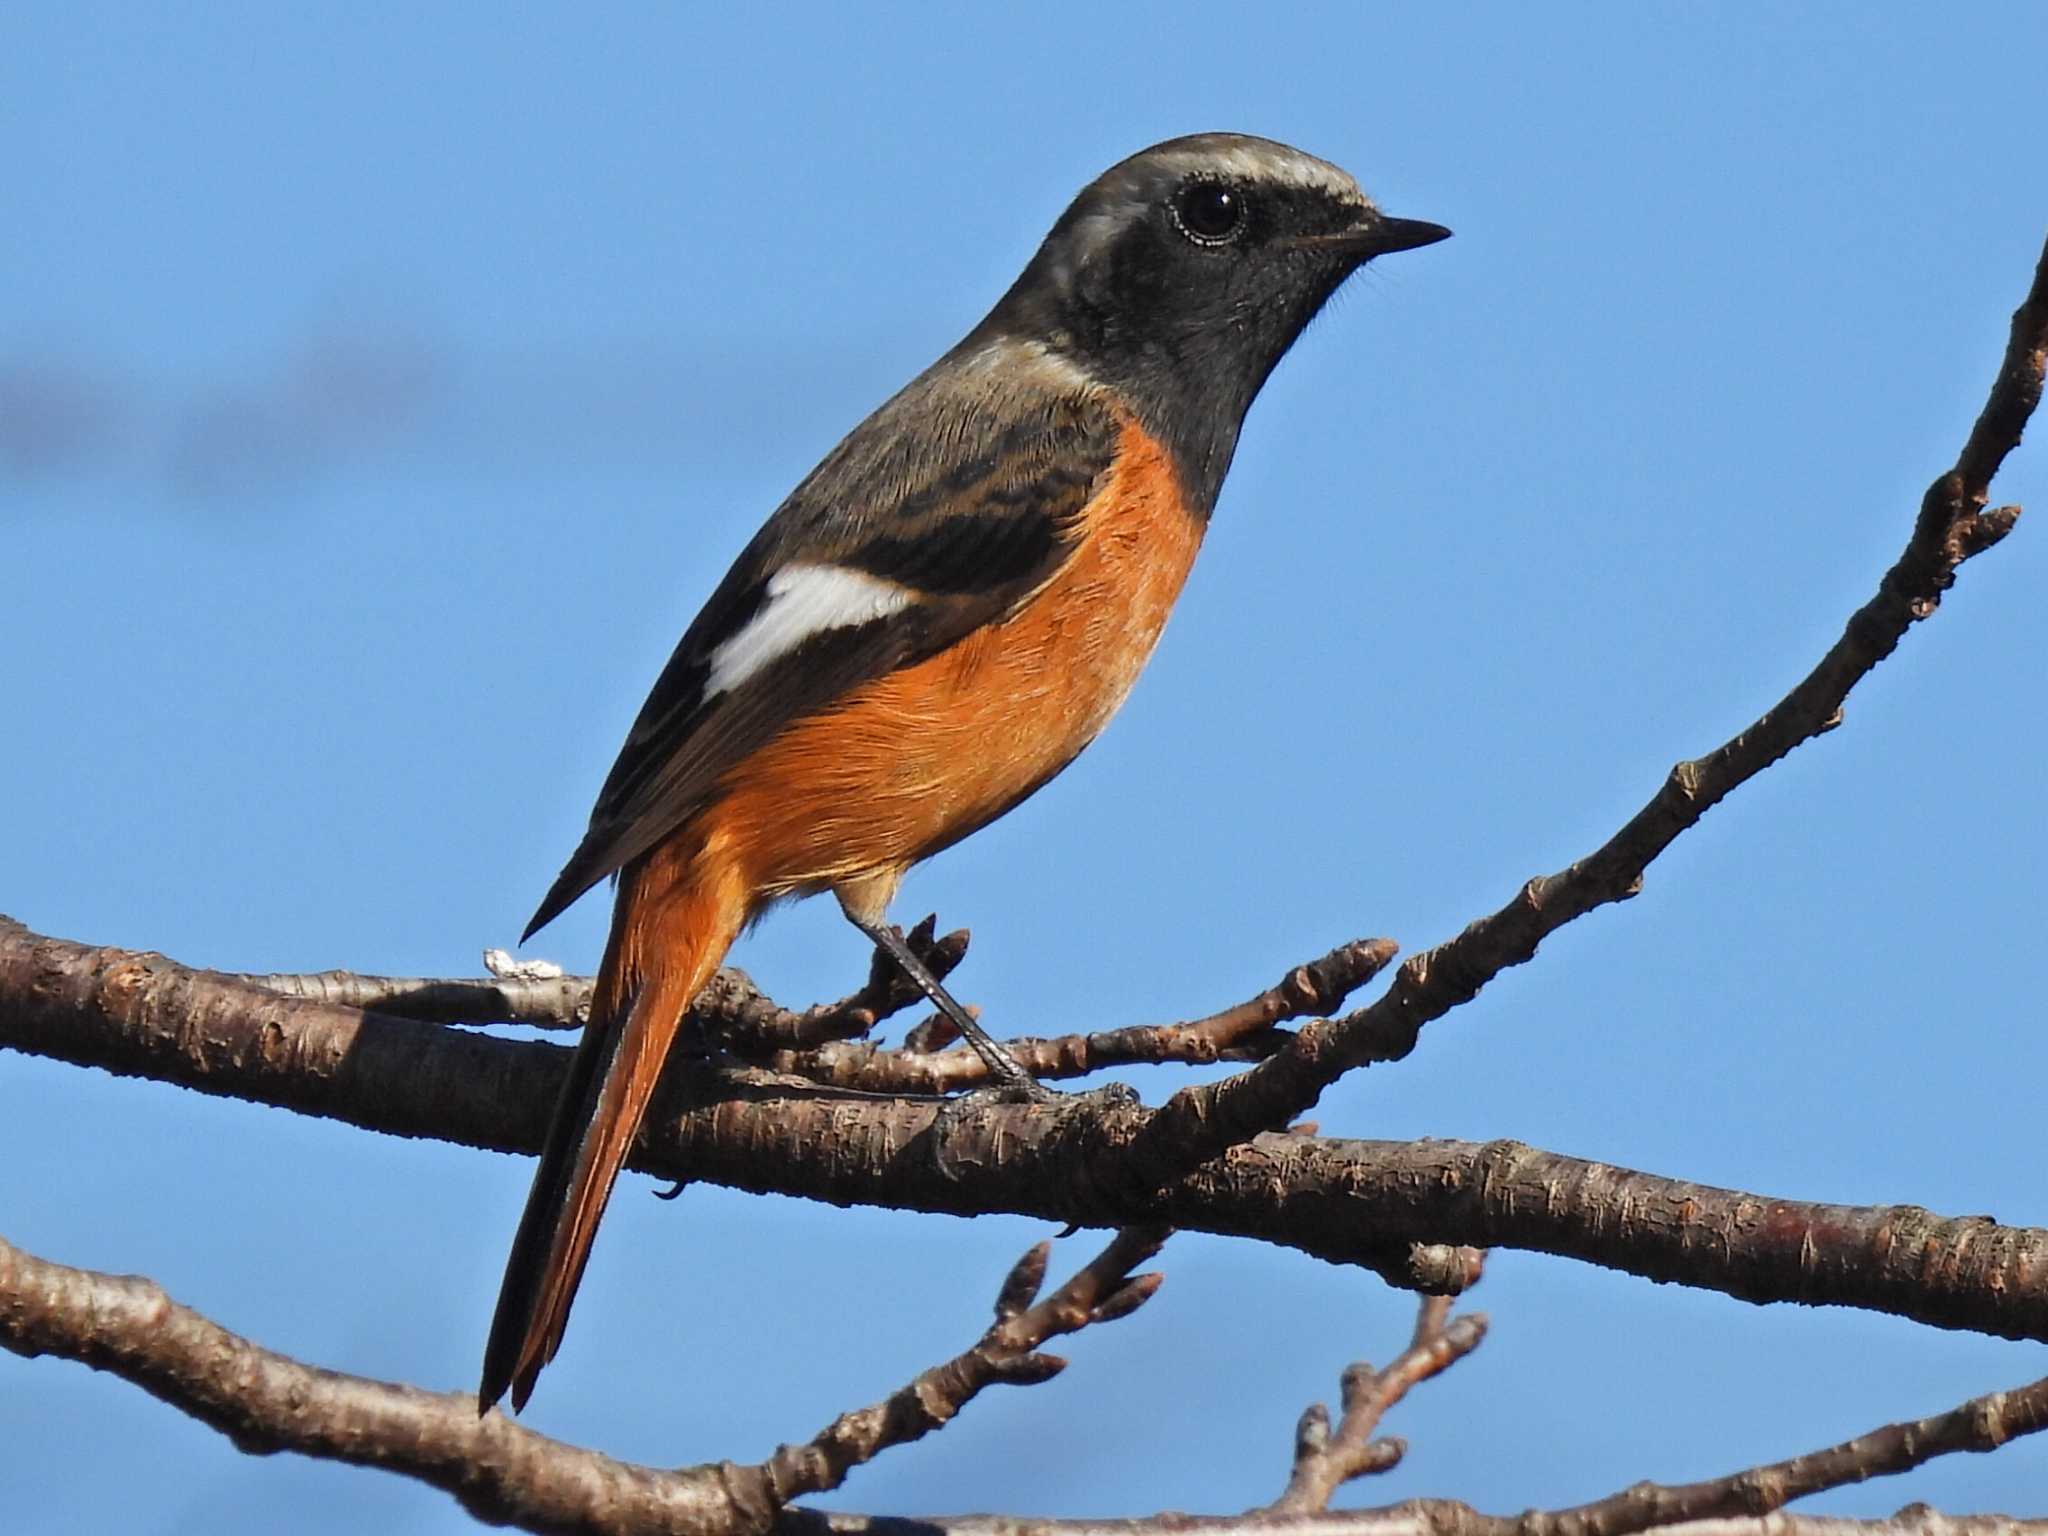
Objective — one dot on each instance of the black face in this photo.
(1211, 273)
(1181, 277)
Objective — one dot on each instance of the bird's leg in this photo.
(1008, 1072)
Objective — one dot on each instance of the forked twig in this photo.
(1324, 1458)
(1100, 1292)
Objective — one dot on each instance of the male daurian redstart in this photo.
(937, 620)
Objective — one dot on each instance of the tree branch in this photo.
(266, 1402)
(818, 1043)
(1982, 1424)
(1739, 1504)
(497, 1469)
(730, 1008)
(1324, 1460)
(1356, 1202)
(1100, 1292)
(547, 1002)
(502, 1472)
(1247, 1031)
(1415, 1517)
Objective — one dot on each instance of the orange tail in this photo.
(676, 915)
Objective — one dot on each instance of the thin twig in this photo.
(1246, 1031)
(822, 1042)
(1982, 1424)
(1326, 1459)
(730, 1009)
(1102, 1291)
(766, 1029)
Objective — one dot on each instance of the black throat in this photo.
(1184, 337)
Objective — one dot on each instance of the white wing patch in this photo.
(803, 600)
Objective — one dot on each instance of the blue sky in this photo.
(380, 393)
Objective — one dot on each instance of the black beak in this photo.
(1387, 235)
(1378, 235)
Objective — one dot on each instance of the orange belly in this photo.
(914, 761)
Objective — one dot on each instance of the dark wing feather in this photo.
(964, 490)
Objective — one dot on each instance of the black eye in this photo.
(1209, 212)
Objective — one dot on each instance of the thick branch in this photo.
(1347, 1201)
(266, 1402)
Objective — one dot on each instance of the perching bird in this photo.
(937, 620)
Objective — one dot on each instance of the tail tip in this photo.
(488, 1391)
(502, 1377)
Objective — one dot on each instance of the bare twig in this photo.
(1246, 1031)
(766, 1029)
(730, 1008)
(1982, 1424)
(821, 1042)
(1315, 990)
(1326, 1459)
(1101, 1292)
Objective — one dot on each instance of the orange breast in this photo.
(917, 760)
